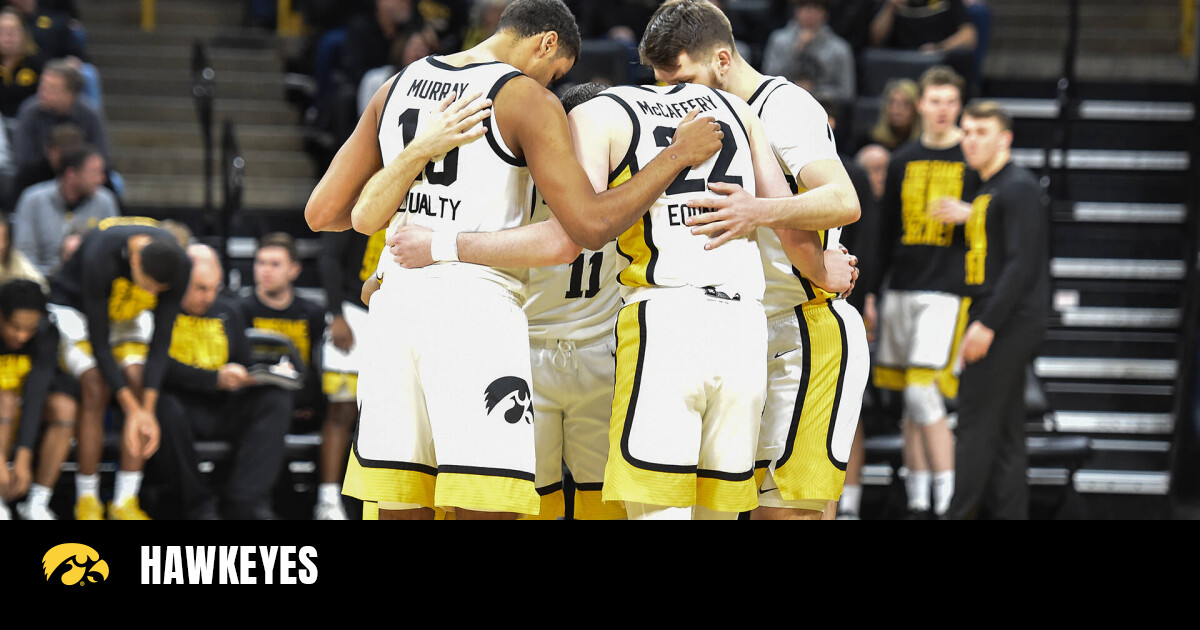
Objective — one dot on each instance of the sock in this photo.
(851, 499)
(917, 486)
(129, 483)
(39, 496)
(329, 493)
(943, 491)
(87, 486)
(648, 512)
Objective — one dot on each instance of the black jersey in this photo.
(29, 370)
(97, 282)
(201, 344)
(922, 253)
(1007, 263)
(302, 322)
(347, 260)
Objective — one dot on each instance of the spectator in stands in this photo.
(932, 26)
(873, 158)
(485, 16)
(28, 382)
(209, 394)
(275, 306)
(76, 200)
(20, 63)
(57, 102)
(369, 39)
(851, 20)
(447, 20)
(808, 35)
(51, 30)
(413, 47)
(63, 139)
(898, 119)
(14, 264)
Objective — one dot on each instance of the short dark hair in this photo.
(21, 294)
(527, 18)
(692, 26)
(577, 95)
(824, 4)
(941, 75)
(989, 109)
(70, 76)
(162, 258)
(74, 157)
(279, 239)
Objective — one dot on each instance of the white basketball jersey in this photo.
(798, 130)
(660, 247)
(576, 301)
(478, 187)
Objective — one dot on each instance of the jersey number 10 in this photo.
(449, 173)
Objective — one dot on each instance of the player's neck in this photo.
(743, 80)
(278, 300)
(944, 140)
(995, 165)
(499, 47)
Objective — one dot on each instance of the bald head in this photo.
(874, 160)
(206, 280)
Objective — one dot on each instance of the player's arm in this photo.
(534, 120)
(542, 244)
(98, 276)
(806, 145)
(456, 122)
(33, 396)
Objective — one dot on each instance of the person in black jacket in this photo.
(209, 394)
(1007, 275)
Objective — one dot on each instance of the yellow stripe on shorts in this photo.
(947, 379)
(807, 469)
(388, 484)
(486, 492)
(335, 383)
(554, 505)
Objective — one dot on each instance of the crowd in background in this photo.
(55, 175)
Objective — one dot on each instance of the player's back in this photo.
(660, 248)
(477, 187)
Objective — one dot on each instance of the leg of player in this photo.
(764, 513)
(648, 512)
(850, 505)
(414, 514)
(55, 447)
(94, 395)
(335, 444)
(916, 484)
(940, 441)
(125, 506)
(477, 515)
(8, 411)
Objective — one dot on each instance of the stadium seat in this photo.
(601, 59)
(880, 65)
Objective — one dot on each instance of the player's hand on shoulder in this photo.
(696, 139)
(411, 245)
(453, 124)
(736, 214)
(950, 211)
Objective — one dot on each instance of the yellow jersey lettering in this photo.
(977, 240)
(13, 370)
(126, 300)
(199, 342)
(294, 329)
(925, 182)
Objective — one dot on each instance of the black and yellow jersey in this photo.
(303, 323)
(347, 259)
(201, 344)
(97, 282)
(918, 252)
(28, 371)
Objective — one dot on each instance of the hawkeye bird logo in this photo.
(74, 564)
(513, 391)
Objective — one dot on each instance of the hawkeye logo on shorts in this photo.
(74, 564)
(513, 392)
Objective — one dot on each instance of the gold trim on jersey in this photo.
(13, 370)
(388, 484)
(487, 493)
(977, 244)
(127, 300)
(926, 181)
(104, 224)
(590, 506)
(374, 249)
(554, 506)
(334, 383)
(633, 243)
(805, 471)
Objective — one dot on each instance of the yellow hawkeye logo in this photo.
(75, 564)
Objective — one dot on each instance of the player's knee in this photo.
(924, 404)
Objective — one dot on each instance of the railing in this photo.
(1187, 27)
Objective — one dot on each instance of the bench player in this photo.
(485, 468)
(817, 357)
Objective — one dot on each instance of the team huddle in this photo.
(641, 283)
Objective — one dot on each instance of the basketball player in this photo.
(1007, 269)
(922, 315)
(102, 300)
(484, 465)
(347, 259)
(817, 350)
(28, 384)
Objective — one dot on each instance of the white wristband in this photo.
(444, 247)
